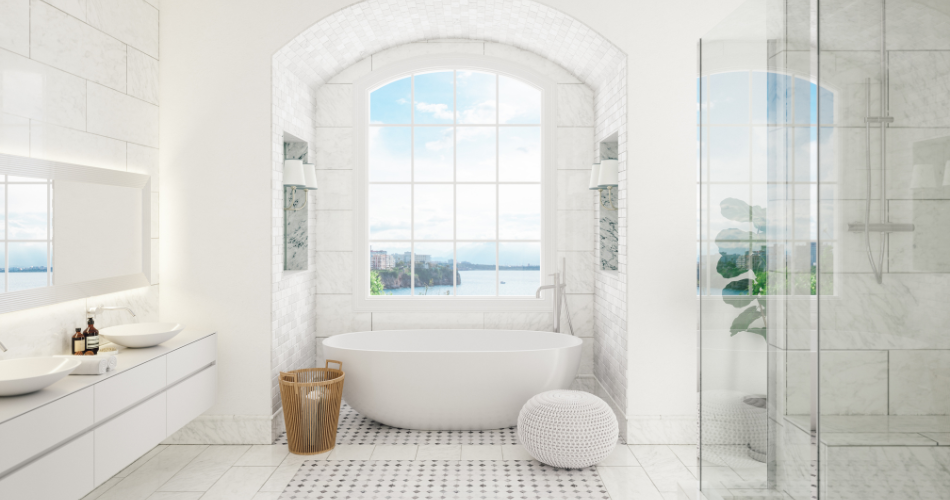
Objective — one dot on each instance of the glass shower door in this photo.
(884, 225)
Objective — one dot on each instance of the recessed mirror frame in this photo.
(21, 166)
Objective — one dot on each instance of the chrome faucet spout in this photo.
(98, 309)
(537, 294)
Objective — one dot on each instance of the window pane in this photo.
(433, 211)
(391, 103)
(475, 214)
(389, 154)
(3, 195)
(519, 154)
(434, 102)
(519, 268)
(27, 266)
(389, 211)
(729, 97)
(729, 154)
(389, 268)
(28, 209)
(433, 154)
(518, 102)
(475, 161)
(476, 268)
(432, 266)
(519, 212)
(475, 97)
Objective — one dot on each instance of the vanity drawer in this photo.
(33, 432)
(122, 440)
(64, 474)
(191, 398)
(129, 387)
(191, 358)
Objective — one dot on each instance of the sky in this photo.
(26, 220)
(483, 110)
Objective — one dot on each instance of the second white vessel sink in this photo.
(26, 375)
(141, 334)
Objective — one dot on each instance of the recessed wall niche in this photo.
(607, 211)
(295, 221)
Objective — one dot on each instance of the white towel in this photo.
(89, 365)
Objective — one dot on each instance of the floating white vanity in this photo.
(67, 439)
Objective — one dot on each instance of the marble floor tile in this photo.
(202, 472)
(149, 477)
(141, 461)
(279, 479)
(438, 479)
(98, 492)
(515, 452)
(176, 495)
(239, 483)
(942, 438)
(662, 466)
(266, 495)
(620, 457)
(688, 454)
(481, 452)
(649, 454)
(292, 458)
(628, 483)
(351, 452)
(394, 452)
(263, 455)
(439, 452)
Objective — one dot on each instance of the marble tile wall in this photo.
(525, 27)
(610, 286)
(293, 303)
(79, 83)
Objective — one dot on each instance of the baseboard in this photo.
(662, 429)
(277, 423)
(225, 429)
(602, 393)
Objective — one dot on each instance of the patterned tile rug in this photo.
(442, 479)
(357, 429)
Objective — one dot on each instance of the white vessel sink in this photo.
(141, 334)
(25, 375)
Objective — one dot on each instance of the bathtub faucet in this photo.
(559, 297)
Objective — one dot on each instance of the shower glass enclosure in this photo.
(823, 255)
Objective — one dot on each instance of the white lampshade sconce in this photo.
(299, 175)
(604, 175)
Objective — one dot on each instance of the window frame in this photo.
(362, 301)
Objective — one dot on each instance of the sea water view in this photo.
(482, 283)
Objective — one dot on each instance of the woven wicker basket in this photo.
(311, 399)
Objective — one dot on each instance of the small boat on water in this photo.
(502, 282)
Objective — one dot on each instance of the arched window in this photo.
(454, 167)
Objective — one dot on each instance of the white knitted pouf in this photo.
(569, 429)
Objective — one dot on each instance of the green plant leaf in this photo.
(740, 211)
(741, 300)
(744, 320)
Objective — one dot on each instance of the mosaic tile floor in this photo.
(357, 429)
(442, 479)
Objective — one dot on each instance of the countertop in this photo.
(14, 406)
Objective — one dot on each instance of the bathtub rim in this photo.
(575, 341)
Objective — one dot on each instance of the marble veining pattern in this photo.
(608, 235)
(442, 479)
(388, 23)
(296, 231)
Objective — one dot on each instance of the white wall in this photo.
(79, 84)
(216, 158)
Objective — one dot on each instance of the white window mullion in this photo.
(412, 186)
(497, 181)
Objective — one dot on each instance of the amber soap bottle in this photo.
(79, 343)
(92, 337)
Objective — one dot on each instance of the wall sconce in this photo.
(298, 174)
(605, 175)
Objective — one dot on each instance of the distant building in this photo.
(378, 259)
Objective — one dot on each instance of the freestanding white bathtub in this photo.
(451, 379)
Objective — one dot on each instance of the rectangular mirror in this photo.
(70, 231)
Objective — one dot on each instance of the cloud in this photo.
(440, 111)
